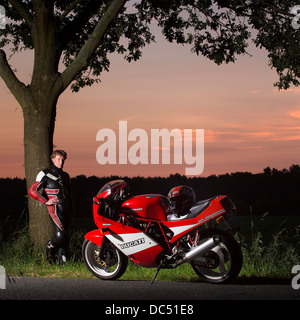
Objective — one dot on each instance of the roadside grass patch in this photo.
(264, 256)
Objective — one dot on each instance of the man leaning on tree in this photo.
(52, 188)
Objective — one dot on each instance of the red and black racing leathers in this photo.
(55, 183)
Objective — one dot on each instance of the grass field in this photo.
(270, 246)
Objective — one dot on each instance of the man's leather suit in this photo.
(55, 184)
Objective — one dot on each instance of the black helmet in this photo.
(181, 200)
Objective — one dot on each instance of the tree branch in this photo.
(69, 9)
(22, 11)
(15, 86)
(276, 9)
(78, 23)
(82, 59)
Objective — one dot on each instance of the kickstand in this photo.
(157, 271)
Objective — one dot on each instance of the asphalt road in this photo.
(21, 288)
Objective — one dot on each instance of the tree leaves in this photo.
(217, 29)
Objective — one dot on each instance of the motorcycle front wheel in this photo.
(221, 264)
(110, 265)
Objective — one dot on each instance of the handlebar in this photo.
(108, 208)
(96, 200)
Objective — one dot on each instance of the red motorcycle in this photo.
(155, 231)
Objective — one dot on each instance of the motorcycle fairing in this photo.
(180, 230)
(95, 236)
(148, 206)
(182, 226)
(130, 241)
(147, 258)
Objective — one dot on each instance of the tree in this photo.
(276, 23)
(72, 40)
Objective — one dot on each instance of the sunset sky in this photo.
(248, 124)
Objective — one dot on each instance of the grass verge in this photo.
(271, 258)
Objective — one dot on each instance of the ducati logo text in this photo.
(132, 243)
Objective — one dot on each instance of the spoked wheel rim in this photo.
(216, 264)
(223, 262)
(108, 266)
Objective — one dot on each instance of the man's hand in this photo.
(52, 202)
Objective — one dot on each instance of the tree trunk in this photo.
(39, 122)
(38, 100)
(39, 111)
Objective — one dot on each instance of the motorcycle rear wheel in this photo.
(110, 266)
(221, 264)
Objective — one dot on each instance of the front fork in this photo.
(104, 242)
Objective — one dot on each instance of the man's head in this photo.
(58, 158)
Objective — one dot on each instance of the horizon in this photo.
(172, 174)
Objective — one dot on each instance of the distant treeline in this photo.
(274, 191)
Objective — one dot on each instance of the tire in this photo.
(112, 265)
(221, 264)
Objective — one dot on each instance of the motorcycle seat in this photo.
(195, 210)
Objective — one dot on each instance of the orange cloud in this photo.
(254, 147)
(287, 138)
(295, 114)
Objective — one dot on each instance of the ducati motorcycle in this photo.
(144, 229)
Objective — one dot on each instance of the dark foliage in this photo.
(274, 191)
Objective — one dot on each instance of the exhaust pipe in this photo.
(199, 250)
